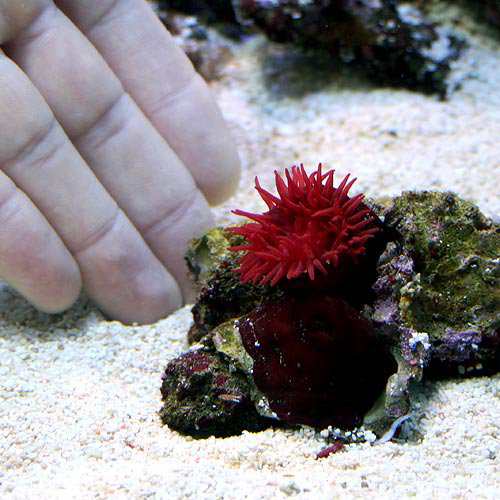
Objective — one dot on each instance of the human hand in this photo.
(110, 147)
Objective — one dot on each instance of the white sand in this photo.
(79, 395)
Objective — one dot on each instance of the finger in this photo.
(119, 271)
(33, 259)
(128, 155)
(163, 82)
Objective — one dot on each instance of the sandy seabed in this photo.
(79, 395)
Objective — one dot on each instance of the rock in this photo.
(312, 356)
(222, 296)
(390, 39)
(437, 295)
(217, 13)
(488, 10)
(492, 11)
(205, 254)
(210, 10)
(226, 339)
(208, 51)
(441, 278)
(204, 395)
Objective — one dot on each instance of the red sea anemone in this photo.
(316, 359)
(309, 228)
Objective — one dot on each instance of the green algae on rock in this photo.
(437, 295)
(226, 339)
(453, 294)
(206, 253)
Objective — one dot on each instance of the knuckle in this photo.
(39, 149)
(186, 85)
(108, 122)
(174, 212)
(9, 203)
(116, 262)
(92, 241)
(15, 17)
(30, 121)
(103, 14)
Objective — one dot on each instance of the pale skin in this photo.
(111, 151)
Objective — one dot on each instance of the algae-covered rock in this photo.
(441, 278)
(205, 254)
(308, 355)
(436, 295)
(204, 395)
(226, 339)
(222, 296)
(390, 39)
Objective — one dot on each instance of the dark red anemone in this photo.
(317, 360)
(309, 228)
